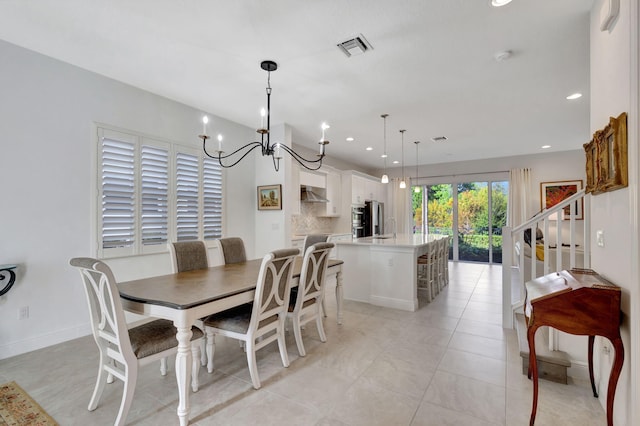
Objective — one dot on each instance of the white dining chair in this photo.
(189, 256)
(310, 295)
(310, 240)
(123, 351)
(261, 322)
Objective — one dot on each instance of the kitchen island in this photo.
(382, 270)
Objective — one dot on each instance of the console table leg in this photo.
(593, 382)
(533, 371)
(613, 378)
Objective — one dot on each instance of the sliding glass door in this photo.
(473, 213)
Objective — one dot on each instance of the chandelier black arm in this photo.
(219, 157)
(301, 160)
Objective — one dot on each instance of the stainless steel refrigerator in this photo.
(373, 218)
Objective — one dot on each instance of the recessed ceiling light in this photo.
(574, 96)
(498, 3)
(383, 156)
(396, 162)
(545, 146)
(502, 55)
(369, 148)
(350, 139)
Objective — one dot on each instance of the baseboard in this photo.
(389, 302)
(579, 370)
(43, 340)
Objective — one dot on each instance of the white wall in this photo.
(613, 66)
(48, 110)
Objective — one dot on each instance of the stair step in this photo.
(552, 365)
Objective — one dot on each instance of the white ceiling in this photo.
(432, 67)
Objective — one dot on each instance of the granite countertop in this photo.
(401, 240)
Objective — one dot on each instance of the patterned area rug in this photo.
(18, 409)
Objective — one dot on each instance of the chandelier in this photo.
(275, 149)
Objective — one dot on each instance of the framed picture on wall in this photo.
(270, 197)
(552, 193)
(606, 157)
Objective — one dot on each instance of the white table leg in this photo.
(339, 295)
(183, 372)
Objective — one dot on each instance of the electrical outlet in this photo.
(391, 262)
(606, 350)
(23, 313)
(600, 238)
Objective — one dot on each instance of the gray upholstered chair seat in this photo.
(155, 337)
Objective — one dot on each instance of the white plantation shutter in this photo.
(187, 196)
(154, 170)
(152, 192)
(117, 193)
(212, 198)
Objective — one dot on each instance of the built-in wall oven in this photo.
(357, 228)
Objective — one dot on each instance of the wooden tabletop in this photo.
(185, 290)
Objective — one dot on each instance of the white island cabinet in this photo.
(383, 271)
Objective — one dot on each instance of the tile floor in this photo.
(449, 363)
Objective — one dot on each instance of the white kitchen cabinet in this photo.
(334, 194)
(313, 179)
(358, 190)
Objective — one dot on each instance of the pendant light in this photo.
(385, 177)
(416, 188)
(403, 184)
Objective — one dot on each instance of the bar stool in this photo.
(440, 263)
(427, 271)
(445, 260)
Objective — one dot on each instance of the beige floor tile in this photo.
(474, 366)
(369, 405)
(472, 397)
(405, 369)
(482, 316)
(433, 415)
(478, 328)
(479, 345)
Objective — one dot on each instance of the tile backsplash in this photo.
(308, 222)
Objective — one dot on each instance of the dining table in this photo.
(185, 297)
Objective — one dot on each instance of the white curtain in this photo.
(401, 208)
(519, 196)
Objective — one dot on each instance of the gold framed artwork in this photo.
(270, 197)
(606, 157)
(552, 193)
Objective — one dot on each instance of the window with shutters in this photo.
(152, 192)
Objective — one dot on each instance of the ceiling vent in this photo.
(355, 46)
(439, 139)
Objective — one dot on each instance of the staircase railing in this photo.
(565, 253)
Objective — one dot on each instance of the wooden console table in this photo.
(577, 302)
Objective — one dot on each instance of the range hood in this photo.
(307, 195)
